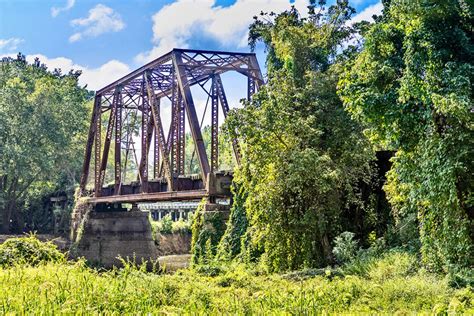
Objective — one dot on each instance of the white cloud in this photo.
(10, 44)
(367, 13)
(95, 78)
(101, 19)
(175, 24)
(75, 37)
(56, 10)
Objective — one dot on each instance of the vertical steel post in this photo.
(191, 112)
(144, 140)
(214, 125)
(225, 110)
(159, 131)
(182, 138)
(150, 129)
(156, 149)
(250, 87)
(108, 138)
(97, 150)
(255, 72)
(175, 109)
(90, 144)
(118, 142)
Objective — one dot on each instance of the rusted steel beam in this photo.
(251, 88)
(89, 144)
(160, 61)
(159, 131)
(181, 138)
(150, 197)
(118, 142)
(173, 137)
(97, 150)
(145, 141)
(255, 71)
(150, 127)
(214, 125)
(156, 147)
(192, 116)
(137, 73)
(108, 138)
(225, 110)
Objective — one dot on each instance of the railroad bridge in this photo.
(127, 130)
(131, 108)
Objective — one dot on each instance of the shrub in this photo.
(393, 265)
(345, 247)
(28, 250)
(235, 234)
(166, 225)
(181, 226)
(207, 230)
(461, 277)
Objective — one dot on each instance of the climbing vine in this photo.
(303, 158)
(411, 86)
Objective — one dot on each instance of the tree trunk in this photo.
(6, 217)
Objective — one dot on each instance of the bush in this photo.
(166, 225)
(181, 226)
(393, 265)
(207, 230)
(28, 250)
(345, 247)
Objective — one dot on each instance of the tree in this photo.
(303, 158)
(411, 86)
(42, 121)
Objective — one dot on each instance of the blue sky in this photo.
(107, 39)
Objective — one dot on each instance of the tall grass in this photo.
(389, 286)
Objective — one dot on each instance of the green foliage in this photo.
(43, 117)
(393, 265)
(231, 243)
(28, 251)
(73, 288)
(166, 225)
(226, 160)
(181, 226)
(303, 158)
(411, 86)
(79, 217)
(345, 247)
(207, 230)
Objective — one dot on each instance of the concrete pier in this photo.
(108, 235)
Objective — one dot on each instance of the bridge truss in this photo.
(131, 109)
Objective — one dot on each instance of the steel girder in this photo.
(170, 76)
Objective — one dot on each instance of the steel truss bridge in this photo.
(129, 108)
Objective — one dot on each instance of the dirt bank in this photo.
(173, 244)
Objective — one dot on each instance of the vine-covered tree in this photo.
(42, 119)
(411, 85)
(303, 157)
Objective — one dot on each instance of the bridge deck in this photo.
(184, 188)
(150, 197)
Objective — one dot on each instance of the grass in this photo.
(389, 285)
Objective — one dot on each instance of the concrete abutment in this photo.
(108, 235)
